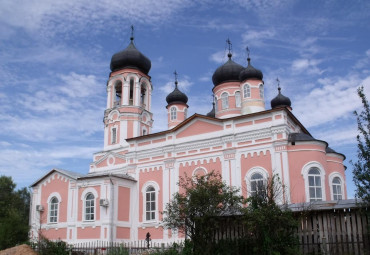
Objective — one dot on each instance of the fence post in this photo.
(324, 245)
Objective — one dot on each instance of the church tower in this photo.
(129, 91)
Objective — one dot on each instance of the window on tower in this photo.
(225, 100)
(131, 98)
(261, 91)
(173, 113)
(143, 93)
(247, 91)
(118, 92)
(114, 135)
(314, 184)
(237, 99)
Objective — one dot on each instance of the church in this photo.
(135, 175)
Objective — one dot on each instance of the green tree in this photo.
(271, 228)
(361, 168)
(194, 210)
(14, 213)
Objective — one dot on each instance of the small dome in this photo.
(212, 113)
(250, 73)
(227, 72)
(130, 58)
(280, 100)
(176, 96)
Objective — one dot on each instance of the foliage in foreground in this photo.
(361, 168)
(199, 208)
(14, 213)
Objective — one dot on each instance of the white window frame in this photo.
(225, 100)
(262, 93)
(83, 201)
(246, 90)
(204, 170)
(248, 177)
(342, 183)
(143, 193)
(51, 196)
(238, 99)
(304, 173)
(173, 113)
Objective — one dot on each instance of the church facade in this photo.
(135, 175)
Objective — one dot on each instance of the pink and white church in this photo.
(135, 175)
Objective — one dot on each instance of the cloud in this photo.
(219, 57)
(183, 86)
(306, 65)
(256, 36)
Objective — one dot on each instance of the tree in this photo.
(361, 168)
(271, 228)
(14, 213)
(194, 210)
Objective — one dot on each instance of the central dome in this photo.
(227, 72)
(250, 73)
(130, 58)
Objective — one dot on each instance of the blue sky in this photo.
(55, 56)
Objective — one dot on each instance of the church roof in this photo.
(70, 174)
(227, 72)
(250, 73)
(176, 96)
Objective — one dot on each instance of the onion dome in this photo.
(250, 73)
(176, 96)
(212, 113)
(227, 72)
(130, 58)
(280, 100)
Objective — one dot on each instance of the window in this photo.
(257, 184)
(150, 203)
(314, 184)
(247, 91)
(173, 113)
(143, 92)
(337, 188)
(185, 113)
(131, 98)
(225, 100)
(114, 135)
(237, 99)
(216, 102)
(90, 207)
(118, 90)
(144, 131)
(261, 91)
(53, 210)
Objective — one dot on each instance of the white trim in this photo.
(250, 90)
(173, 109)
(52, 195)
(225, 105)
(199, 168)
(83, 198)
(304, 173)
(331, 178)
(250, 172)
(143, 193)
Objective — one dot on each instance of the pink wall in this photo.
(255, 160)
(199, 127)
(123, 204)
(56, 185)
(156, 233)
(88, 233)
(55, 234)
(154, 175)
(122, 233)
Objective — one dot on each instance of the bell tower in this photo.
(129, 90)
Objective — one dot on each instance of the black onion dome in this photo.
(250, 73)
(227, 72)
(176, 96)
(212, 113)
(130, 58)
(280, 100)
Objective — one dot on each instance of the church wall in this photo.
(299, 156)
(155, 232)
(254, 161)
(81, 202)
(55, 233)
(123, 233)
(123, 203)
(88, 232)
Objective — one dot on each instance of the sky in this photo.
(55, 57)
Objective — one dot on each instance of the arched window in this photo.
(173, 113)
(237, 99)
(337, 188)
(257, 184)
(53, 210)
(314, 184)
(90, 207)
(114, 135)
(118, 91)
(247, 91)
(150, 204)
(185, 113)
(225, 100)
(143, 93)
(216, 104)
(261, 91)
(144, 131)
(131, 98)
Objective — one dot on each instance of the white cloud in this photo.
(254, 36)
(306, 65)
(219, 57)
(183, 85)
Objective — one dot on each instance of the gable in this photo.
(199, 127)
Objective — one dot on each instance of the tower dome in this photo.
(130, 58)
(280, 100)
(227, 72)
(250, 73)
(212, 113)
(176, 96)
